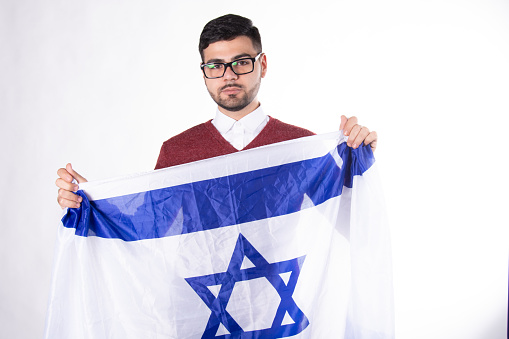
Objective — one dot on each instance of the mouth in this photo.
(231, 90)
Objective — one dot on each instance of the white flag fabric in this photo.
(285, 240)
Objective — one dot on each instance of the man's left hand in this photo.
(357, 134)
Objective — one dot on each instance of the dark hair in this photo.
(228, 27)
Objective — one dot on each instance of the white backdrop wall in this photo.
(102, 84)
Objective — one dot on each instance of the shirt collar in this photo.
(224, 123)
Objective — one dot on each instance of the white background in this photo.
(102, 84)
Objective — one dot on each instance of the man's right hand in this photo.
(66, 197)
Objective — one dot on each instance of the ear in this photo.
(263, 62)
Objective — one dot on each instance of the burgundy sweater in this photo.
(204, 141)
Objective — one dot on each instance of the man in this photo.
(233, 65)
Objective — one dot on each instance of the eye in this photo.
(243, 62)
(214, 66)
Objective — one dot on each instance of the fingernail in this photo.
(354, 145)
(77, 205)
(76, 188)
(80, 199)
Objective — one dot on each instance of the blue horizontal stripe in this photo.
(219, 202)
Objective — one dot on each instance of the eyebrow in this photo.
(239, 56)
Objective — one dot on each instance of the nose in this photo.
(229, 74)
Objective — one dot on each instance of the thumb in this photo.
(75, 174)
(344, 119)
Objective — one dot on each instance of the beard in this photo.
(235, 102)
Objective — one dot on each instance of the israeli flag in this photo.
(285, 240)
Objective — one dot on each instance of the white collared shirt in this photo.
(239, 133)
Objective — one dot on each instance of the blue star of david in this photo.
(234, 273)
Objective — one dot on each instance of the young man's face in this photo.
(235, 94)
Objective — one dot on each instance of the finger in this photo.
(67, 203)
(350, 123)
(371, 140)
(69, 195)
(75, 174)
(355, 130)
(62, 173)
(372, 136)
(373, 146)
(343, 122)
(360, 137)
(68, 199)
(65, 185)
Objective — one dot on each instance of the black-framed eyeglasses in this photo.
(214, 70)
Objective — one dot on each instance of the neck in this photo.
(237, 115)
